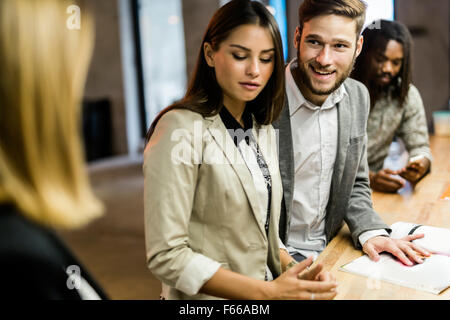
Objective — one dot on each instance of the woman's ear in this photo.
(209, 54)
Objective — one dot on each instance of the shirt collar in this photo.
(233, 126)
(231, 123)
(297, 100)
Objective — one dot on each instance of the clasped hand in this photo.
(414, 170)
(385, 180)
(304, 283)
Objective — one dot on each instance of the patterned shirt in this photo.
(388, 120)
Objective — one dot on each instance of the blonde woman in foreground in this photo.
(43, 181)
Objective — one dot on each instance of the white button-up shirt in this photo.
(315, 138)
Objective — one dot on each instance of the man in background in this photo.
(396, 109)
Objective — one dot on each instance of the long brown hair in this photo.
(375, 41)
(204, 94)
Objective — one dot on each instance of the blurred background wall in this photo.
(427, 20)
(105, 78)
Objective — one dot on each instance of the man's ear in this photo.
(209, 54)
(359, 45)
(297, 37)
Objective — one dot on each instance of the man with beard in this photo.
(396, 111)
(322, 134)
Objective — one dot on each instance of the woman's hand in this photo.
(301, 283)
(316, 274)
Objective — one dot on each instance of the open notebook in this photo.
(432, 276)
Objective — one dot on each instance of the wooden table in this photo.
(421, 205)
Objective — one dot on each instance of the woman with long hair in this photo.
(213, 189)
(43, 180)
(397, 111)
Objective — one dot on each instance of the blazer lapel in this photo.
(226, 144)
(267, 142)
(344, 126)
(268, 145)
(286, 165)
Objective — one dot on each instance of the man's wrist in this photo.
(372, 176)
(367, 235)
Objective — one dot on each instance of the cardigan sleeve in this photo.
(413, 129)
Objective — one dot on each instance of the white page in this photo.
(436, 239)
(432, 276)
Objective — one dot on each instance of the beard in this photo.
(393, 81)
(303, 75)
(378, 89)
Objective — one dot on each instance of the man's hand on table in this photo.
(404, 249)
(385, 181)
(415, 170)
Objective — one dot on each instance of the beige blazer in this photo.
(200, 199)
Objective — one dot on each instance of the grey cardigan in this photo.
(350, 194)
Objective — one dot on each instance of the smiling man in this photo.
(384, 66)
(323, 156)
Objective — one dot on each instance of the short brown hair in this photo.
(354, 9)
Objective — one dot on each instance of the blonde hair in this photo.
(44, 67)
